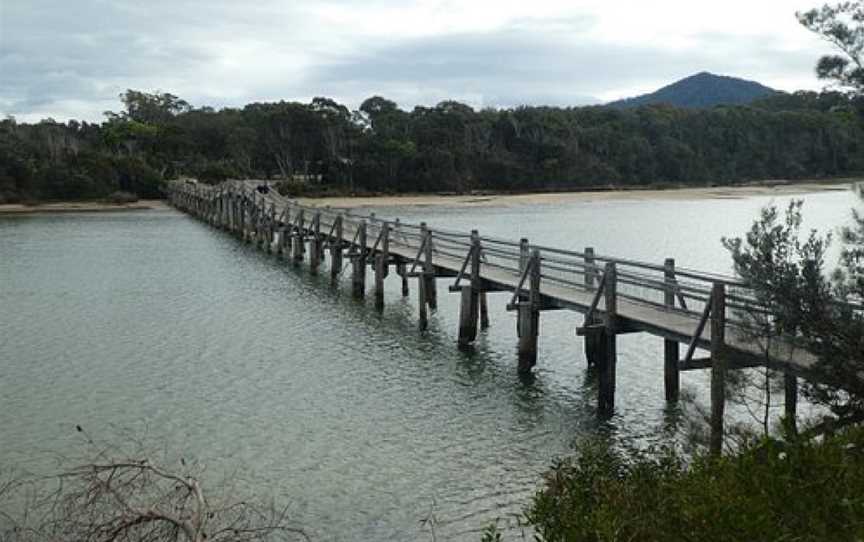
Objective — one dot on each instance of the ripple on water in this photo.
(364, 423)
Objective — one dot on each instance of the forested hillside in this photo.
(449, 147)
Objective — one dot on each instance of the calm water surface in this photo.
(362, 423)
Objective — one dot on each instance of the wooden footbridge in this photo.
(699, 311)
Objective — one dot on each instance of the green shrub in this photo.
(137, 177)
(770, 491)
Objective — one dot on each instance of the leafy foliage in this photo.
(807, 307)
(446, 148)
(803, 491)
(843, 26)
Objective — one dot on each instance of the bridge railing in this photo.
(681, 290)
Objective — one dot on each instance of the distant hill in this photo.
(701, 90)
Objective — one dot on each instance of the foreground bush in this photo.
(770, 491)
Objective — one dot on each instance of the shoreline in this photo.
(482, 199)
(80, 207)
(774, 188)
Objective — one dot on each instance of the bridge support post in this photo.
(790, 406)
(263, 227)
(336, 251)
(608, 338)
(251, 220)
(226, 210)
(484, 311)
(718, 365)
(271, 229)
(594, 344)
(401, 268)
(315, 244)
(241, 217)
(421, 303)
(299, 236)
(470, 305)
(382, 264)
(429, 269)
(286, 232)
(671, 354)
(232, 211)
(529, 316)
(255, 235)
(402, 271)
(358, 264)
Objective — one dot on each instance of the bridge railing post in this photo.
(593, 341)
(423, 282)
(589, 268)
(477, 285)
(671, 353)
(718, 365)
(429, 268)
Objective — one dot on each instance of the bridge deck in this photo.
(563, 282)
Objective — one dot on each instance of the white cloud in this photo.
(72, 59)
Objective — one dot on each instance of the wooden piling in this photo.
(470, 303)
(529, 316)
(358, 263)
(607, 364)
(287, 228)
(299, 235)
(429, 268)
(402, 271)
(315, 244)
(594, 345)
(671, 354)
(382, 262)
(271, 228)
(336, 251)
(241, 217)
(524, 256)
(401, 266)
(421, 303)
(718, 365)
(484, 311)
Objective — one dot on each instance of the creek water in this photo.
(152, 322)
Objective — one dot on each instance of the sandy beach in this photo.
(79, 207)
(718, 192)
(478, 200)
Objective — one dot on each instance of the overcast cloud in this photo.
(71, 59)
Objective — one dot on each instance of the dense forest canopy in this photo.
(325, 146)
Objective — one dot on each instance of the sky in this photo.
(72, 58)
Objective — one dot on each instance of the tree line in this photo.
(323, 146)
